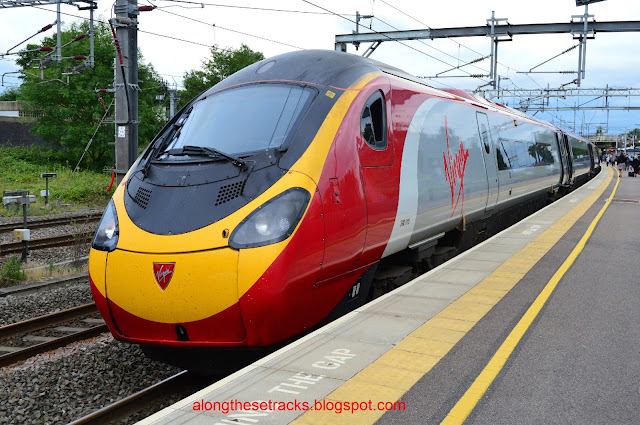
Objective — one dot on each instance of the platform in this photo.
(413, 356)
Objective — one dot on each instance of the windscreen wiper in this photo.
(190, 149)
(161, 142)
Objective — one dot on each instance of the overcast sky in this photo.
(612, 59)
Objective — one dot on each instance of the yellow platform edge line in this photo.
(415, 347)
(472, 396)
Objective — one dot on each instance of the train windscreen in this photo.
(243, 119)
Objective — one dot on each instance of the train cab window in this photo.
(373, 122)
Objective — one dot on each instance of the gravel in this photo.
(59, 230)
(65, 384)
(31, 218)
(16, 308)
(44, 257)
(68, 383)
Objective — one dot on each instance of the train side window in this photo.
(503, 158)
(373, 122)
(485, 138)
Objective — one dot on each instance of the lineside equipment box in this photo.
(21, 234)
(27, 199)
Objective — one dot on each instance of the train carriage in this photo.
(268, 203)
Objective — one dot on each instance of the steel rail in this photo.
(28, 288)
(43, 243)
(27, 352)
(45, 321)
(134, 403)
(58, 221)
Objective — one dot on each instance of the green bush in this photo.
(12, 271)
(21, 169)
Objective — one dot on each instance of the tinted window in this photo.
(373, 122)
(579, 149)
(485, 138)
(244, 119)
(503, 158)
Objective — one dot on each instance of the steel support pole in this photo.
(580, 62)
(91, 39)
(172, 102)
(584, 44)
(126, 119)
(492, 74)
(59, 35)
(25, 243)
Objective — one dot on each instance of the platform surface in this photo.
(419, 348)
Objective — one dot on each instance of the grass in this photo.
(21, 169)
(37, 273)
(12, 272)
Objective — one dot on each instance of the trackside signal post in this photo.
(46, 177)
(124, 26)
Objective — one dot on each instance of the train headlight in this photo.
(272, 222)
(106, 237)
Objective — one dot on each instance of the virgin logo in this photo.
(163, 272)
(454, 168)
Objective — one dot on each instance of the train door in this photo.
(571, 168)
(564, 159)
(380, 178)
(489, 158)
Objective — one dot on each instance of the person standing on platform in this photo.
(622, 163)
(636, 164)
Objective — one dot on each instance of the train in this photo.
(273, 201)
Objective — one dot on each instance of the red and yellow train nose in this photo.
(174, 297)
(190, 289)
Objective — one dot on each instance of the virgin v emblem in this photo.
(454, 168)
(163, 272)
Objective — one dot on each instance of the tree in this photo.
(222, 64)
(10, 94)
(67, 115)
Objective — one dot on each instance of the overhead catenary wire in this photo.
(231, 30)
(436, 31)
(441, 51)
(458, 43)
(164, 35)
(263, 9)
(41, 30)
(88, 144)
(379, 33)
(431, 29)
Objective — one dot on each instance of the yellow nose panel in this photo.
(197, 286)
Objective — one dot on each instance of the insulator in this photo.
(102, 90)
(46, 49)
(48, 27)
(145, 8)
(79, 57)
(123, 20)
(80, 37)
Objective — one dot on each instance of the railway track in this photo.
(43, 243)
(16, 354)
(50, 222)
(179, 383)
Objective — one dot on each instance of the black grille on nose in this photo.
(229, 192)
(142, 197)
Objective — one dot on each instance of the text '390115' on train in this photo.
(269, 202)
